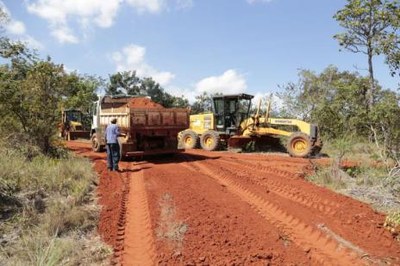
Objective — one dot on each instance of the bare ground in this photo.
(202, 208)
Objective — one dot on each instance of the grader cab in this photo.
(74, 125)
(231, 125)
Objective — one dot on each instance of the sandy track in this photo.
(200, 208)
(139, 241)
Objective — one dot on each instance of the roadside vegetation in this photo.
(48, 212)
(356, 169)
(358, 119)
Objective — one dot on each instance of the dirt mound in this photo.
(143, 103)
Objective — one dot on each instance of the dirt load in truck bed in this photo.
(143, 103)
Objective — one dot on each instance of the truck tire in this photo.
(210, 140)
(189, 139)
(299, 145)
(122, 157)
(95, 143)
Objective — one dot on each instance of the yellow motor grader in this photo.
(73, 125)
(231, 125)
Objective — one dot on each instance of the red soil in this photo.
(202, 208)
(143, 103)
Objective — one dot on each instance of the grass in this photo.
(392, 223)
(169, 227)
(357, 171)
(48, 214)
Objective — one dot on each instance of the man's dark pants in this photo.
(112, 156)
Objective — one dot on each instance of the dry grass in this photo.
(49, 213)
(169, 228)
(368, 180)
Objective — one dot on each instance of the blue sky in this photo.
(190, 46)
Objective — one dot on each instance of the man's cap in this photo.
(114, 120)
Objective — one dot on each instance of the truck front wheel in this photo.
(95, 143)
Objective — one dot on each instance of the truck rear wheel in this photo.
(122, 157)
(299, 145)
(189, 139)
(210, 141)
(95, 143)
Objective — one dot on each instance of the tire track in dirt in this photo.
(354, 221)
(222, 229)
(322, 248)
(267, 169)
(139, 247)
(280, 188)
(120, 236)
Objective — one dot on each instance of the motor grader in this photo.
(73, 125)
(231, 125)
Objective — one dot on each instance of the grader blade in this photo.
(238, 142)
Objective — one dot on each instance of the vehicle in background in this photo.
(231, 125)
(74, 125)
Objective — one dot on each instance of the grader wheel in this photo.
(299, 145)
(189, 139)
(210, 141)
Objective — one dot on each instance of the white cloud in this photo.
(17, 29)
(157, 6)
(132, 57)
(101, 13)
(151, 6)
(229, 82)
(59, 13)
(64, 35)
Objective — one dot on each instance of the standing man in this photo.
(111, 135)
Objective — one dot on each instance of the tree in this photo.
(30, 93)
(202, 104)
(128, 83)
(159, 95)
(333, 99)
(125, 82)
(80, 91)
(371, 27)
(384, 124)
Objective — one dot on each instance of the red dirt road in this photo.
(202, 208)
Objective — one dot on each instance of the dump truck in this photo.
(231, 125)
(73, 125)
(148, 127)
